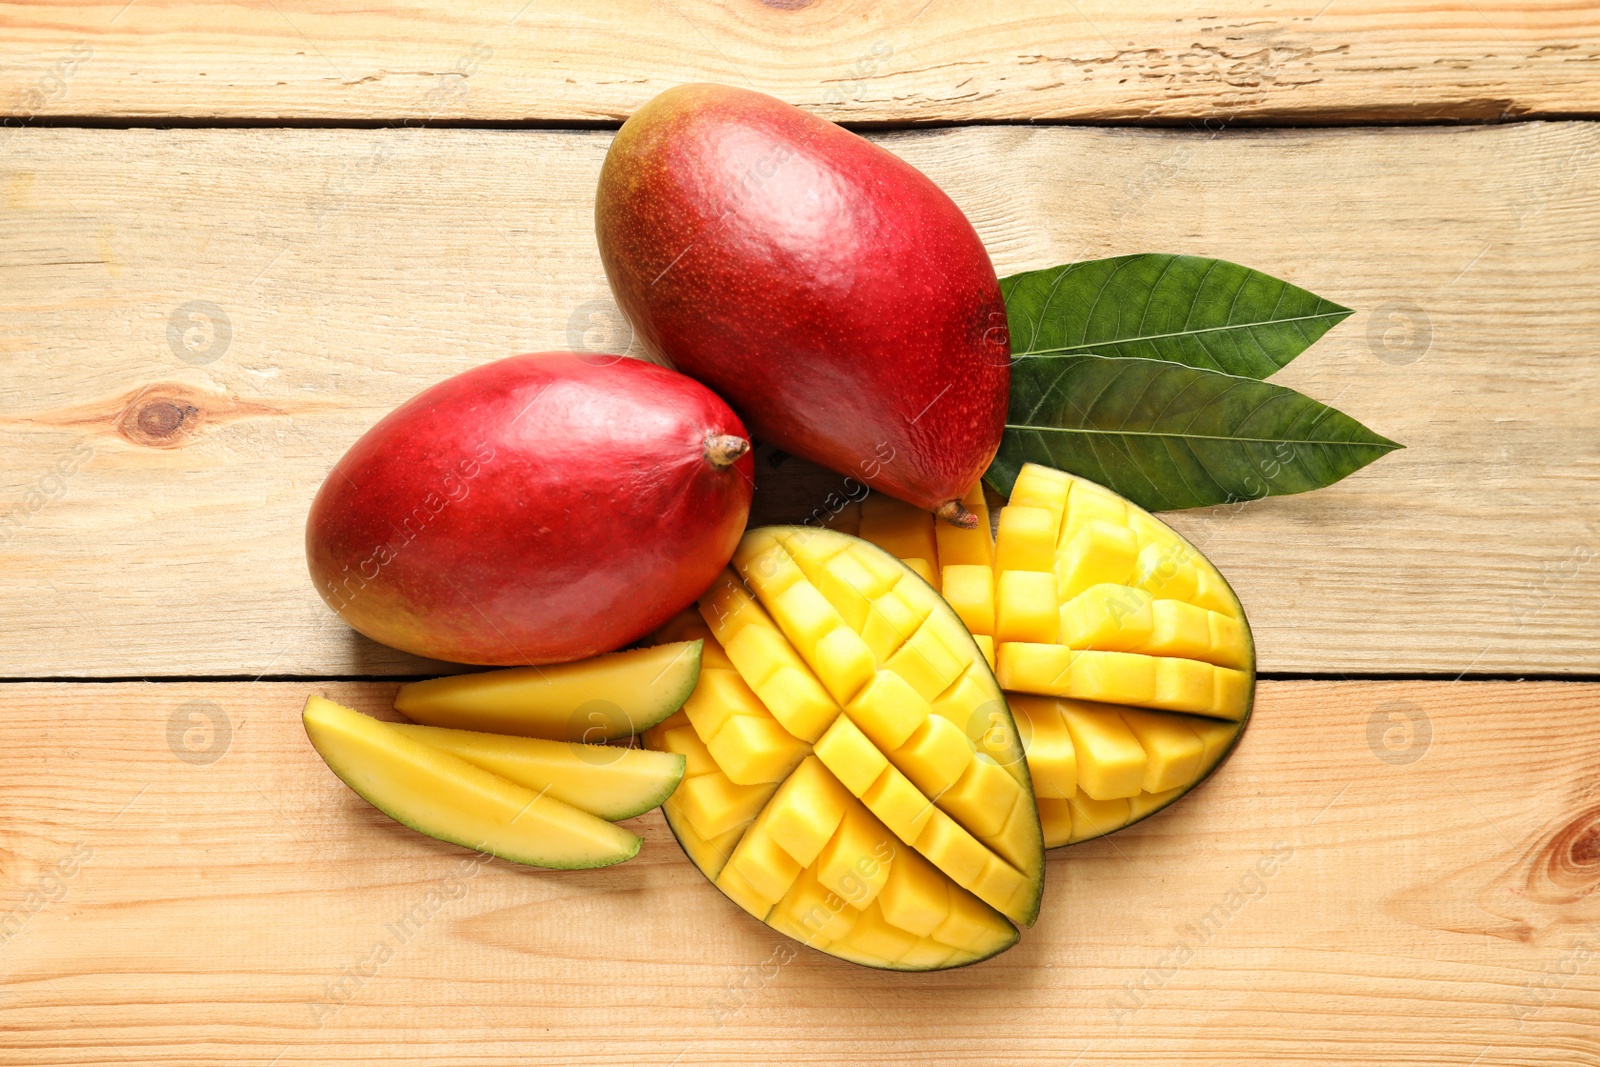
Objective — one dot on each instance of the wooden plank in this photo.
(160, 466)
(1309, 61)
(210, 894)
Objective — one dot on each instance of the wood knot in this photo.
(1530, 892)
(1571, 855)
(161, 417)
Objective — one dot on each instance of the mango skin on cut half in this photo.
(853, 774)
(1125, 655)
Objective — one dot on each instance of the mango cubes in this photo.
(1126, 659)
(854, 777)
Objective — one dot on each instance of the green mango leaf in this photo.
(1169, 436)
(1186, 309)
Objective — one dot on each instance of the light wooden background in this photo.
(233, 236)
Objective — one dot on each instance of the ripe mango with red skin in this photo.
(835, 296)
(539, 509)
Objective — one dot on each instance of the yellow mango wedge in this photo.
(441, 795)
(593, 700)
(610, 782)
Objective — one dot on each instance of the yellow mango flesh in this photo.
(888, 710)
(1113, 759)
(1026, 608)
(1099, 553)
(1127, 660)
(1095, 818)
(689, 626)
(904, 835)
(1173, 750)
(935, 755)
(683, 741)
(1129, 678)
(806, 812)
(611, 782)
(1025, 540)
(444, 796)
(969, 589)
(985, 644)
(854, 862)
(708, 819)
(1052, 759)
(960, 546)
(1112, 618)
(898, 528)
(591, 701)
(720, 695)
(1055, 816)
(714, 805)
(708, 853)
(1042, 487)
(754, 750)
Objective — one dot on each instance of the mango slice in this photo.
(444, 796)
(905, 835)
(610, 782)
(1125, 656)
(593, 700)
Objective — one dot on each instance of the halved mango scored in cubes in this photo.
(1126, 658)
(527, 793)
(853, 776)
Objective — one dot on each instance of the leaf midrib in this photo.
(1390, 445)
(1177, 333)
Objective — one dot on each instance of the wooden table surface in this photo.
(232, 236)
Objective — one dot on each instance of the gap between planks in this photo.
(1470, 253)
(899, 60)
(1189, 123)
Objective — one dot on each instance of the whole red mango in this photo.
(835, 296)
(540, 509)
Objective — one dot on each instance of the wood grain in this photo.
(906, 61)
(210, 894)
(159, 468)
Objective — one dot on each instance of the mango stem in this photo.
(724, 450)
(956, 514)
